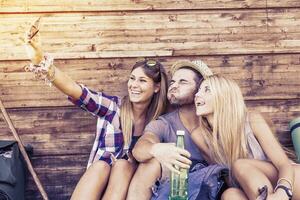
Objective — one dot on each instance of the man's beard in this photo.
(174, 101)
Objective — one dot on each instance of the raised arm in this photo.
(60, 80)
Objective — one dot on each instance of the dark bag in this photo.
(213, 183)
(205, 182)
(12, 172)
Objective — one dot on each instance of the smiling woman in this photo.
(120, 121)
(242, 141)
(143, 81)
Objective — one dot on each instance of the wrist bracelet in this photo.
(44, 70)
(286, 180)
(287, 190)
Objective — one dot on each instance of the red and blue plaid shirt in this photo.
(109, 141)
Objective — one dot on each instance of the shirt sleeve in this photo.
(159, 128)
(96, 103)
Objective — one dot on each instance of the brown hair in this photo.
(154, 70)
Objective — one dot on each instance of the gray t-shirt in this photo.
(165, 128)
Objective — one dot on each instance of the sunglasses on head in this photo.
(152, 64)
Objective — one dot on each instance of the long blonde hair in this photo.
(158, 102)
(226, 139)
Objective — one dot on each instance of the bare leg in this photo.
(143, 180)
(233, 194)
(265, 174)
(245, 169)
(119, 180)
(93, 182)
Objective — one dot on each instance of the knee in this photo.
(152, 166)
(240, 168)
(147, 172)
(99, 166)
(230, 194)
(123, 167)
(122, 164)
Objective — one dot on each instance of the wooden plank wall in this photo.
(95, 42)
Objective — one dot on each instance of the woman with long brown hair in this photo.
(121, 121)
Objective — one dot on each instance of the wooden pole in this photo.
(23, 151)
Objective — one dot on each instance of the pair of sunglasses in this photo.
(148, 63)
(151, 63)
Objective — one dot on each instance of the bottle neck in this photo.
(180, 141)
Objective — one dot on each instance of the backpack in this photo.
(213, 182)
(12, 173)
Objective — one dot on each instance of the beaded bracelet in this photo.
(44, 70)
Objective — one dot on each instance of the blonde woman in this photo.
(230, 135)
(120, 121)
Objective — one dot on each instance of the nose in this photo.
(196, 97)
(134, 83)
(197, 94)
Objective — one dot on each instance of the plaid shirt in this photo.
(109, 142)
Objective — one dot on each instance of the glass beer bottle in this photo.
(179, 182)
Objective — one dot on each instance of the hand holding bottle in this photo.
(169, 155)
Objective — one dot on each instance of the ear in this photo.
(156, 87)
